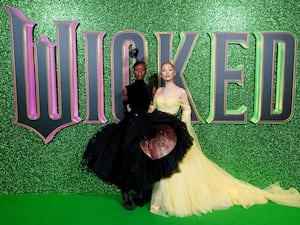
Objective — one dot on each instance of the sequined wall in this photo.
(258, 153)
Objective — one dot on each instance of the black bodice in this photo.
(139, 96)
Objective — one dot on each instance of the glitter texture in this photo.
(258, 153)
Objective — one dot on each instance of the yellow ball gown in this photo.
(202, 186)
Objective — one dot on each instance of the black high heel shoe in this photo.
(127, 204)
(139, 199)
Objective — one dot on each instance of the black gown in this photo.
(139, 150)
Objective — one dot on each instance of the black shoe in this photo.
(139, 201)
(127, 205)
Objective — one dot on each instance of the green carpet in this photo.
(107, 209)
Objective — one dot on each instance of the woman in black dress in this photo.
(142, 148)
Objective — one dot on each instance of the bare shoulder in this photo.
(182, 92)
(159, 89)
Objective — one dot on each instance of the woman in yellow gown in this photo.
(202, 186)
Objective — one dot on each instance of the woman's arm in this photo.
(124, 94)
(186, 108)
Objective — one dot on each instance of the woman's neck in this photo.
(169, 84)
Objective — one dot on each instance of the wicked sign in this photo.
(45, 74)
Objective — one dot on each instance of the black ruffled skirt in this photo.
(138, 151)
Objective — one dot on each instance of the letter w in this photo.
(44, 103)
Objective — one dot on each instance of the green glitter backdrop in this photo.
(258, 153)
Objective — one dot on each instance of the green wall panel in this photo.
(258, 153)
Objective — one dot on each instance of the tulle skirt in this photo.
(202, 186)
(138, 151)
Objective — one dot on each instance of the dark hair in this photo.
(138, 63)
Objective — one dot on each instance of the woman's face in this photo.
(139, 71)
(167, 72)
